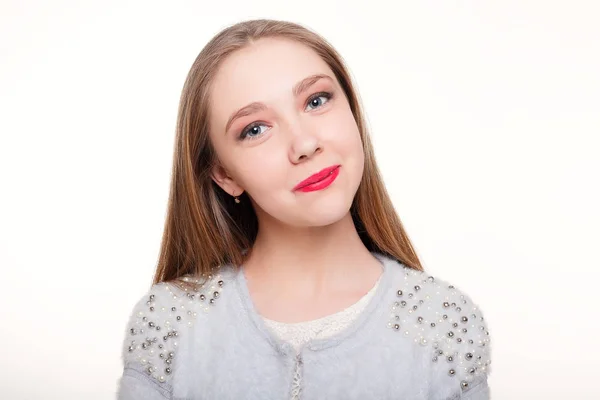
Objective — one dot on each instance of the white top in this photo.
(299, 333)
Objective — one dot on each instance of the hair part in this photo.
(204, 228)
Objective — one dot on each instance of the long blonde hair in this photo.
(204, 228)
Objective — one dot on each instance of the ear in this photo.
(226, 182)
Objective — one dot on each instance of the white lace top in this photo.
(299, 333)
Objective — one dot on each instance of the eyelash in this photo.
(244, 133)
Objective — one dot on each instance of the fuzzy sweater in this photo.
(417, 337)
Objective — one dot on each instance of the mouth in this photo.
(320, 180)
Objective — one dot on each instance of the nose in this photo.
(304, 145)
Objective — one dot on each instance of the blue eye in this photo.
(252, 131)
(315, 102)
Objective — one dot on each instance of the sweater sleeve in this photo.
(135, 385)
(149, 347)
(453, 332)
(480, 390)
(461, 343)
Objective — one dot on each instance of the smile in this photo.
(320, 180)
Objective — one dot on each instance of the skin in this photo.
(307, 254)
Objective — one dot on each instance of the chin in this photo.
(325, 212)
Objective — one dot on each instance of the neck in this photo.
(312, 261)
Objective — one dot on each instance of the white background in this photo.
(486, 123)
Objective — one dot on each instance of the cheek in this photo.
(258, 174)
(343, 133)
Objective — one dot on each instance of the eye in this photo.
(252, 131)
(316, 102)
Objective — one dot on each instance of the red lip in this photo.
(318, 177)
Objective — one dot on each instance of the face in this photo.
(299, 123)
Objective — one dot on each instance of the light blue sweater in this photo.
(417, 338)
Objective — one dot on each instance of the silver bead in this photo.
(451, 372)
(168, 370)
(173, 308)
(399, 293)
(151, 308)
(417, 288)
(446, 304)
(420, 320)
(450, 334)
(464, 319)
(469, 356)
(464, 385)
(450, 358)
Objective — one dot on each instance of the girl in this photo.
(284, 271)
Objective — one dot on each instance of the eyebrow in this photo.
(257, 106)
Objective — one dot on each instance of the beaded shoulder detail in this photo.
(441, 318)
(161, 317)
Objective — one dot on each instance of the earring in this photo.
(237, 200)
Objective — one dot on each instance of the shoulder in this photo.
(161, 318)
(447, 323)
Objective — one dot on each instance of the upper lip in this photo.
(319, 176)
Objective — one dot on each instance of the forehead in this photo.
(263, 71)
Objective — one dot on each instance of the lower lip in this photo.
(321, 184)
